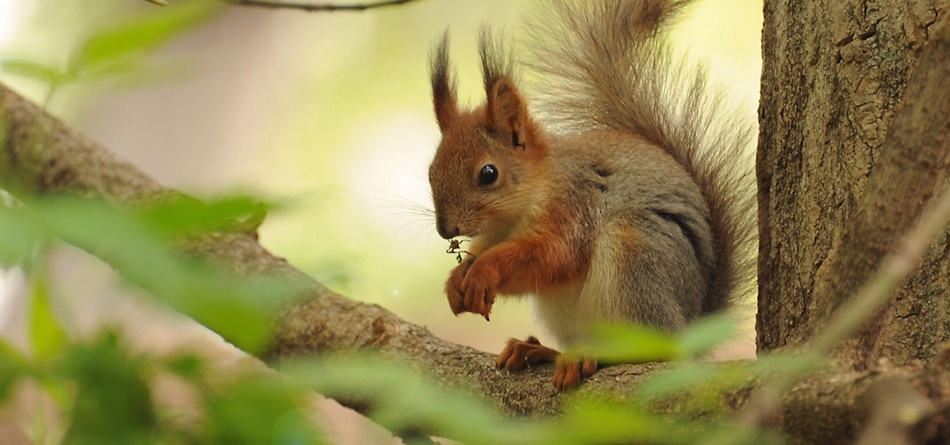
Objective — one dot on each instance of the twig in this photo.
(315, 7)
(898, 414)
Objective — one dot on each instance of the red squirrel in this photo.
(624, 194)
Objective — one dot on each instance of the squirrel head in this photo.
(483, 176)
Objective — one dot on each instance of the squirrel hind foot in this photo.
(520, 354)
(571, 370)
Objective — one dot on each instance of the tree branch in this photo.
(316, 7)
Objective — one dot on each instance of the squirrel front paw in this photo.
(453, 287)
(471, 288)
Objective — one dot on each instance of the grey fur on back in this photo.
(605, 65)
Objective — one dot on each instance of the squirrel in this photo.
(626, 193)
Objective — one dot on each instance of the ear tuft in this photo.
(443, 85)
(496, 62)
(507, 111)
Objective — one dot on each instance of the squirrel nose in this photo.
(446, 232)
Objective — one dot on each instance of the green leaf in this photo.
(118, 43)
(19, 237)
(113, 400)
(13, 366)
(237, 308)
(787, 363)
(706, 333)
(599, 420)
(630, 343)
(258, 410)
(188, 366)
(403, 399)
(677, 379)
(187, 216)
(47, 336)
(31, 69)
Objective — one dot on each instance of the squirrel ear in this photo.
(443, 85)
(507, 111)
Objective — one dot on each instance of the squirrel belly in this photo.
(650, 248)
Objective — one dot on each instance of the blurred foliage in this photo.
(627, 343)
(136, 243)
(116, 47)
(107, 393)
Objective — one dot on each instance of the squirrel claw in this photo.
(471, 292)
(479, 286)
(453, 289)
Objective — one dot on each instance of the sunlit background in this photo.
(326, 113)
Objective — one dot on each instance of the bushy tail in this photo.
(605, 64)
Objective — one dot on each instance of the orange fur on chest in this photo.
(547, 257)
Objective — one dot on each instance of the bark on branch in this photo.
(316, 7)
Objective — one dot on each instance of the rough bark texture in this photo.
(836, 188)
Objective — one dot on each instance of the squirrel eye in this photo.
(488, 175)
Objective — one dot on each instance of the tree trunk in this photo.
(836, 188)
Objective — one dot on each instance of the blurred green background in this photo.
(328, 113)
